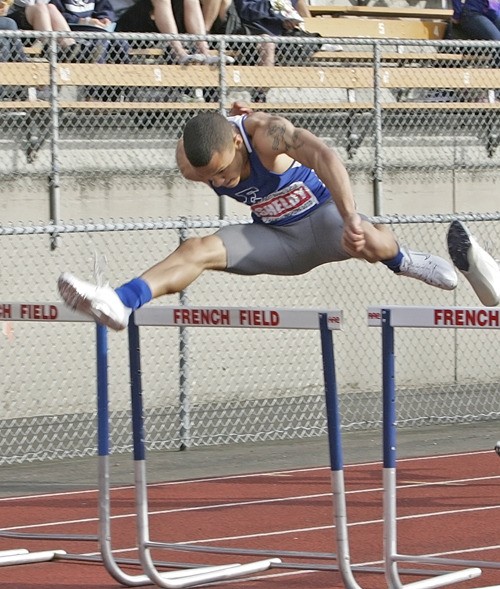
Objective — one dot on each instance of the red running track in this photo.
(447, 506)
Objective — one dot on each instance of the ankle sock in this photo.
(134, 294)
(394, 263)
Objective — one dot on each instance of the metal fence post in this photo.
(377, 167)
(184, 391)
(54, 179)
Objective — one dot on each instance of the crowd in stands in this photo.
(195, 17)
(198, 17)
(472, 19)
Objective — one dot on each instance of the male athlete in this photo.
(303, 210)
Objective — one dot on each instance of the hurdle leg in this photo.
(336, 455)
(391, 557)
(104, 477)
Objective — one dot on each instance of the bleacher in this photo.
(393, 62)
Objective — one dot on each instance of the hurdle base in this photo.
(191, 578)
(456, 577)
(22, 556)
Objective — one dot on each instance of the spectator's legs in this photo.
(165, 23)
(479, 27)
(46, 17)
(6, 24)
(302, 8)
(214, 9)
(266, 54)
(194, 23)
(266, 58)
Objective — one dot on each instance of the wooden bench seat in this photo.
(381, 11)
(376, 28)
(132, 75)
(393, 57)
(312, 78)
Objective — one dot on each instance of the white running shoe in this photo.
(428, 268)
(99, 302)
(497, 448)
(480, 269)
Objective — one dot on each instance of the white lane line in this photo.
(263, 502)
(242, 476)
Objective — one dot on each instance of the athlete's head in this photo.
(211, 151)
(204, 135)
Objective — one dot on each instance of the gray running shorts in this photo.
(285, 250)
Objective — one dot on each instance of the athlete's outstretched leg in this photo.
(177, 271)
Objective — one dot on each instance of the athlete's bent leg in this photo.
(381, 246)
(176, 272)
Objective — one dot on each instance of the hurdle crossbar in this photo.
(417, 317)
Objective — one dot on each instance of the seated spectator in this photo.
(477, 19)
(94, 16)
(275, 18)
(169, 17)
(10, 49)
(92, 13)
(39, 15)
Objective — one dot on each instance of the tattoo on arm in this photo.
(278, 132)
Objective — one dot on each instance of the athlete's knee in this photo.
(208, 252)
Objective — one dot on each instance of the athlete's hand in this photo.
(353, 238)
(240, 108)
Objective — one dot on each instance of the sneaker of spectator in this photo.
(331, 47)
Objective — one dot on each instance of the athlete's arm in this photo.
(274, 135)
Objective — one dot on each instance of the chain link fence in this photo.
(239, 385)
(80, 140)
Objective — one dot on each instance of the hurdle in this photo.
(417, 317)
(56, 312)
(239, 317)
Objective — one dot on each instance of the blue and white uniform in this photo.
(296, 224)
(276, 199)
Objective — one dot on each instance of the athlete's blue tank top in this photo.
(276, 199)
